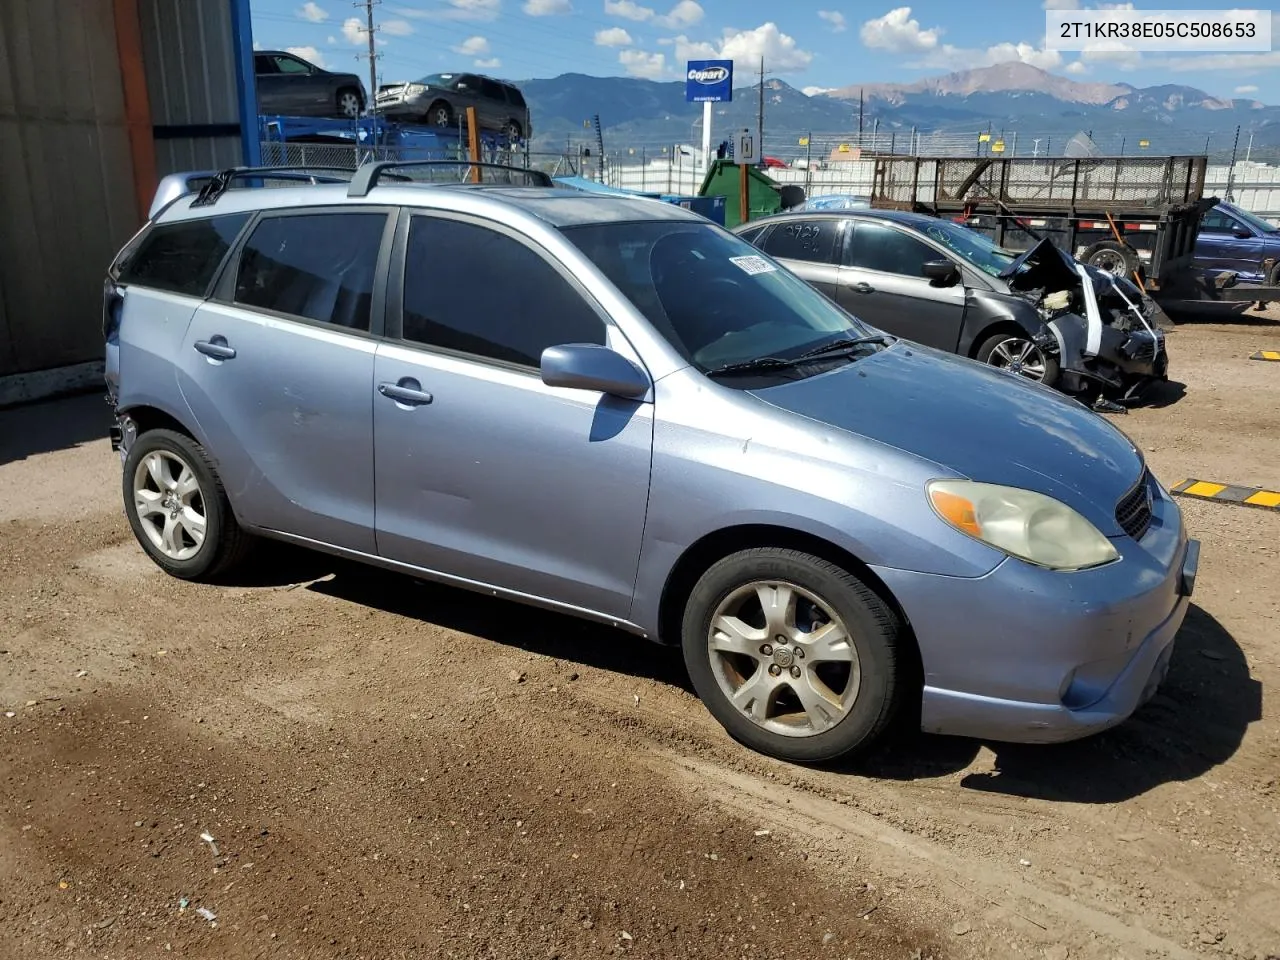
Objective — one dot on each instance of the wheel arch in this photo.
(999, 325)
(699, 556)
(148, 417)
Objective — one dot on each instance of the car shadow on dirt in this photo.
(36, 428)
(1241, 314)
(1195, 722)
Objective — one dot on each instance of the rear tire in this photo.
(440, 115)
(1114, 257)
(829, 683)
(348, 103)
(178, 509)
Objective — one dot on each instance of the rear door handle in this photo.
(407, 391)
(215, 348)
(863, 287)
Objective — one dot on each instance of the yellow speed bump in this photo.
(1266, 355)
(1227, 493)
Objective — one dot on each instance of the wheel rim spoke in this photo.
(187, 485)
(1002, 351)
(194, 524)
(755, 697)
(731, 635)
(147, 503)
(829, 643)
(822, 706)
(156, 470)
(779, 604)
(171, 536)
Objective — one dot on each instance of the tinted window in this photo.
(1215, 221)
(290, 65)
(182, 257)
(813, 240)
(515, 97)
(264, 64)
(752, 235)
(511, 307)
(490, 90)
(875, 246)
(317, 266)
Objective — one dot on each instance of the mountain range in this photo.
(647, 115)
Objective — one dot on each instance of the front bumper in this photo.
(1027, 655)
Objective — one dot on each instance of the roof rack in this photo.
(221, 180)
(367, 175)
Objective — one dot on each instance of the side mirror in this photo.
(462, 86)
(942, 272)
(589, 366)
(1241, 233)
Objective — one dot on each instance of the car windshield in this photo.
(972, 246)
(716, 298)
(437, 79)
(1257, 223)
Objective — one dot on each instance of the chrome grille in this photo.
(1133, 512)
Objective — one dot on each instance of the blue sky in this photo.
(817, 45)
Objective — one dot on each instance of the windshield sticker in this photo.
(753, 265)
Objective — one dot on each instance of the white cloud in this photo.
(1077, 67)
(613, 37)
(816, 91)
(628, 10)
(898, 33)
(493, 63)
(354, 31)
(835, 18)
(780, 51)
(313, 12)
(547, 8)
(457, 10)
(686, 13)
(1247, 88)
(395, 28)
(650, 66)
(1061, 4)
(331, 39)
(312, 55)
(473, 47)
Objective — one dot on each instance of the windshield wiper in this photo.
(761, 364)
(839, 346)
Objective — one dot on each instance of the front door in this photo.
(809, 248)
(483, 472)
(277, 370)
(882, 283)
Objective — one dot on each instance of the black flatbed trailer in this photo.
(1135, 216)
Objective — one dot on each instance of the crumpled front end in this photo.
(1105, 333)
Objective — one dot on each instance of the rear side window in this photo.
(490, 90)
(316, 266)
(182, 257)
(515, 97)
(816, 241)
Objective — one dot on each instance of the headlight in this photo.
(1023, 524)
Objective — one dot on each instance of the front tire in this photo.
(178, 509)
(1017, 353)
(795, 656)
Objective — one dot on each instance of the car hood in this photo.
(1046, 267)
(975, 421)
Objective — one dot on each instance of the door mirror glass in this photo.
(941, 272)
(588, 366)
(461, 86)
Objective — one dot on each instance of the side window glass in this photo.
(290, 65)
(1216, 222)
(263, 64)
(491, 90)
(878, 247)
(318, 266)
(513, 305)
(812, 240)
(182, 257)
(515, 97)
(753, 235)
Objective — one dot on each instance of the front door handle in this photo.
(863, 287)
(407, 391)
(215, 348)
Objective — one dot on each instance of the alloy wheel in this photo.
(170, 504)
(349, 104)
(784, 659)
(441, 116)
(1021, 356)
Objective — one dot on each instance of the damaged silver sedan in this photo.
(1040, 315)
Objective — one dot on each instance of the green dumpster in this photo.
(723, 180)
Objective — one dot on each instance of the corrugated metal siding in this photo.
(67, 200)
(191, 78)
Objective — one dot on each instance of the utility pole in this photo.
(760, 118)
(373, 61)
(859, 116)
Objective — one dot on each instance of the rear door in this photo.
(809, 248)
(882, 282)
(277, 370)
(494, 109)
(306, 93)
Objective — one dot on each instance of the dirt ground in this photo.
(388, 769)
